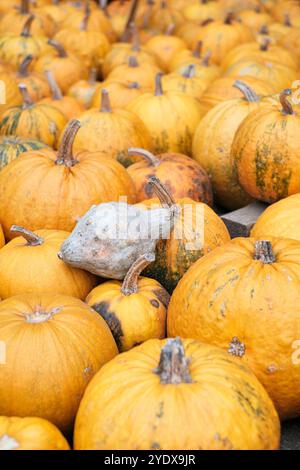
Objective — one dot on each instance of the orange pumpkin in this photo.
(185, 82)
(162, 15)
(202, 11)
(27, 182)
(143, 73)
(29, 264)
(176, 395)
(255, 19)
(245, 298)
(2, 239)
(30, 434)
(83, 90)
(165, 48)
(12, 95)
(52, 342)
(120, 93)
(36, 83)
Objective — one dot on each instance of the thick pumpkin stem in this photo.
(264, 29)
(65, 154)
(136, 42)
(92, 76)
(152, 159)
(27, 101)
(55, 90)
(24, 7)
(130, 22)
(161, 192)
(86, 18)
(173, 366)
(23, 69)
(158, 84)
(265, 44)
(263, 252)
(32, 238)
(132, 61)
(27, 25)
(198, 50)
(130, 283)
(58, 47)
(229, 18)
(190, 72)
(248, 92)
(287, 20)
(206, 59)
(287, 108)
(105, 101)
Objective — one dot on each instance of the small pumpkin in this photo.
(162, 15)
(202, 10)
(185, 82)
(12, 146)
(36, 84)
(120, 93)
(30, 434)
(35, 121)
(29, 180)
(29, 264)
(174, 398)
(135, 309)
(165, 47)
(181, 176)
(291, 41)
(83, 90)
(53, 342)
(144, 73)
(255, 19)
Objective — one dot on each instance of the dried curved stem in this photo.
(189, 72)
(173, 367)
(130, 22)
(87, 13)
(55, 90)
(27, 101)
(136, 40)
(130, 283)
(248, 92)
(287, 107)
(65, 154)
(32, 238)
(23, 69)
(24, 7)
(58, 47)
(263, 252)
(105, 101)
(161, 192)
(152, 159)
(27, 26)
(158, 84)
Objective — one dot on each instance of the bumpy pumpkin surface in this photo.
(12, 146)
(54, 346)
(173, 395)
(245, 297)
(30, 434)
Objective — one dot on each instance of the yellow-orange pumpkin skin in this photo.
(169, 411)
(245, 297)
(30, 434)
(29, 264)
(120, 93)
(281, 219)
(13, 96)
(53, 343)
(2, 239)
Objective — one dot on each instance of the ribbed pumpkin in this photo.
(165, 48)
(281, 219)
(197, 230)
(181, 176)
(111, 131)
(35, 121)
(53, 342)
(36, 83)
(65, 66)
(212, 146)
(163, 15)
(245, 297)
(75, 181)
(30, 434)
(83, 90)
(57, 10)
(186, 82)
(29, 264)
(2, 239)
(136, 309)
(179, 115)
(144, 73)
(10, 94)
(11, 147)
(176, 395)
(120, 93)
(255, 19)
(202, 10)
(265, 151)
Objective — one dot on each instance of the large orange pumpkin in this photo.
(176, 395)
(29, 264)
(11, 147)
(28, 181)
(54, 345)
(245, 297)
(30, 434)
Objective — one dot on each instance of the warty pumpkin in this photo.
(120, 93)
(265, 151)
(281, 219)
(29, 264)
(53, 343)
(175, 398)
(75, 180)
(83, 90)
(135, 309)
(165, 47)
(144, 73)
(30, 434)
(31, 120)
(36, 83)
(12, 146)
(245, 297)
(180, 174)
(179, 115)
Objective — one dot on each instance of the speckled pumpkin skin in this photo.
(228, 294)
(265, 152)
(11, 147)
(186, 416)
(174, 256)
(14, 48)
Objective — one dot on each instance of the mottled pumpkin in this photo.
(181, 176)
(144, 73)
(11, 147)
(265, 151)
(245, 298)
(83, 90)
(28, 181)
(29, 264)
(53, 342)
(176, 395)
(30, 434)
(135, 309)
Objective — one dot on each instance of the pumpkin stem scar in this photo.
(248, 92)
(40, 316)
(130, 283)
(146, 154)
(173, 367)
(27, 25)
(158, 84)
(55, 90)
(287, 108)
(64, 154)
(105, 101)
(263, 252)
(236, 348)
(32, 238)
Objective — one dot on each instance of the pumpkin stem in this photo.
(130, 22)
(152, 159)
(158, 84)
(287, 20)
(236, 348)
(32, 238)
(27, 25)
(130, 283)
(229, 17)
(87, 13)
(206, 22)
(265, 44)
(173, 367)
(189, 72)
(55, 90)
(132, 61)
(170, 29)
(65, 154)
(58, 47)
(287, 108)
(23, 69)
(206, 59)
(198, 49)
(92, 76)
(27, 101)
(105, 101)
(264, 29)
(248, 92)
(136, 42)
(161, 192)
(263, 252)
(24, 7)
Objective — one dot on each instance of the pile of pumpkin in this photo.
(174, 107)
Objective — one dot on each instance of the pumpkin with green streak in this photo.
(12, 146)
